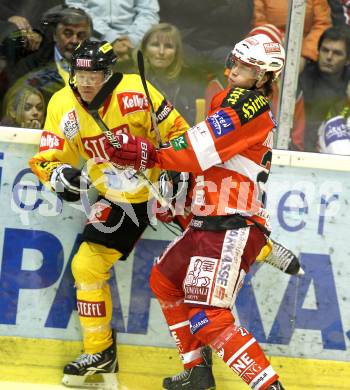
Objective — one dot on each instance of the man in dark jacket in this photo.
(23, 16)
(322, 87)
(48, 68)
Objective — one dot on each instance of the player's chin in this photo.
(234, 83)
(87, 96)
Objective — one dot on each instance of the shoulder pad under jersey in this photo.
(247, 103)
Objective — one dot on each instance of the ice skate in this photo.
(284, 259)
(199, 377)
(93, 370)
(276, 386)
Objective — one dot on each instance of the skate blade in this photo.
(97, 381)
(300, 272)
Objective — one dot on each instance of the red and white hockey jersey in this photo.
(229, 154)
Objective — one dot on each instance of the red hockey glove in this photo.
(163, 214)
(135, 152)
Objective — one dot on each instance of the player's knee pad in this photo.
(207, 324)
(92, 262)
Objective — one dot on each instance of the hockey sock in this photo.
(176, 314)
(90, 267)
(234, 345)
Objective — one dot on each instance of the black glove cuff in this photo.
(68, 183)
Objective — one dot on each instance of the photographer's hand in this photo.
(21, 22)
(34, 40)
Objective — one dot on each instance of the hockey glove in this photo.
(163, 214)
(69, 182)
(173, 187)
(136, 152)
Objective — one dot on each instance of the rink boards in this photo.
(291, 317)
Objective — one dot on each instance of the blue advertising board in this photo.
(292, 316)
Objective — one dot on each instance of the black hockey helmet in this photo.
(93, 55)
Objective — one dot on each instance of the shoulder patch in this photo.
(221, 123)
(50, 141)
(179, 143)
(164, 110)
(247, 104)
(132, 101)
(70, 125)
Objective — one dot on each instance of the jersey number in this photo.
(264, 175)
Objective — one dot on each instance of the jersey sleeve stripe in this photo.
(203, 146)
(244, 166)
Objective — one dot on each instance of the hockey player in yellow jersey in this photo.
(111, 231)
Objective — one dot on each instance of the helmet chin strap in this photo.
(260, 75)
(108, 75)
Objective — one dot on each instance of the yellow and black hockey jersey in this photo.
(71, 134)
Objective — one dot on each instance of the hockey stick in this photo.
(141, 66)
(93, 108)
(98, 101)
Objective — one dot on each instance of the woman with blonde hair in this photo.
(25, 108)
(167, 70)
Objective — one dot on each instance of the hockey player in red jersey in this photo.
(198, 277)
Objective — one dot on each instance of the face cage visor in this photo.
(88, 77)
(247, 69)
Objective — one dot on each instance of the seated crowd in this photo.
(186, 46)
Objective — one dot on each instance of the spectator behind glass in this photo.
(317, 20)
(340, 11)
(17, 39)
(166, 69)
(65, 28)
(48, 68)
(122, 22)
(20, 34)
(208, 28)
(25, 108)
(322, 89)
(21, 19)
(26, 12)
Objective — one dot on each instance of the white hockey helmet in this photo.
(260, 52)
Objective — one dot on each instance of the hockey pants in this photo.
(185, 270)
